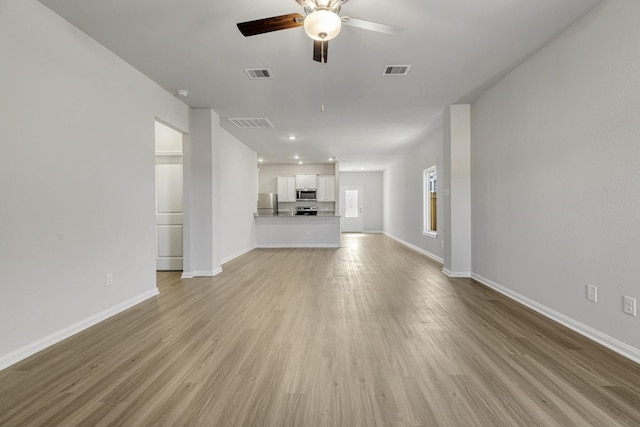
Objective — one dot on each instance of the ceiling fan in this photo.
(322, 22)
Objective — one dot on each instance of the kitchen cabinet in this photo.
(306, 182)
(326, 188)
(286, 188)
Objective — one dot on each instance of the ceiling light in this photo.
(332, 159)
(291, 137)
(322, 24)
(296, 157)
(260, 160)
(299, 163)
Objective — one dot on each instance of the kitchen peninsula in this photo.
(298, 231)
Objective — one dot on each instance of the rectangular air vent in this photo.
(251, 122)
(396, 70)
(259, 73)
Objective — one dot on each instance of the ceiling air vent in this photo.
(259, 73)
(396, 70)
(251, 122)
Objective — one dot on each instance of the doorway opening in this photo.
(169, 198)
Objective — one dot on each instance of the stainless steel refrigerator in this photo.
(267, 204)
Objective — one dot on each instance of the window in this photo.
(429, 206)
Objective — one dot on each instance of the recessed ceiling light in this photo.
(260, 160)
(332, 159)
(299, 163)
(296, 157)
(292, 137)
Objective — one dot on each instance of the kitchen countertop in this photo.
(297, 216)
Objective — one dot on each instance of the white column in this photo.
(199, 194)
(457, 190)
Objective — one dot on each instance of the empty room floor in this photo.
(368, 334)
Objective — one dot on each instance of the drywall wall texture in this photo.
(76, 178)
(238, 196)
(371, 183)
(403, 199)
(555, 173)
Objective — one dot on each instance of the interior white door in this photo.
(169, 217)
(351, 209)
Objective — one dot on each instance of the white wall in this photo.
(556, 173)
(76, 178)
(371, 183)
(238, 196)
(220, 195)
(403, 200)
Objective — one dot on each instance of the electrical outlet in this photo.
(629, 306)
(592, 293)
(108, 279)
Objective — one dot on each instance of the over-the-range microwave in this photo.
(306, 195)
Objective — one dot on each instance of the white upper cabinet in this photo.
(286, 188)
(306, 182)
(326, 188)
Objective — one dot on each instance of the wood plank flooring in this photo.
(371, 334)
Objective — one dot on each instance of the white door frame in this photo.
(349, 225)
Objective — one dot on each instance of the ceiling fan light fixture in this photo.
(322, 25)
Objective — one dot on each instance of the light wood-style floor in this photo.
(371, 334)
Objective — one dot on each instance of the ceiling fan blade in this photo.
(371, 26)
(275, 23)
(320, 50)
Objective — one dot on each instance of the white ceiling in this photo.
(456, 48)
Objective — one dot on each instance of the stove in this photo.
(306, 210)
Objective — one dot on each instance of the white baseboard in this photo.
(373, 232)
(457, 274)
(611, 343)
(236, 255)
(192, 274)
(301, 245)
(415, 248)
(39, 345)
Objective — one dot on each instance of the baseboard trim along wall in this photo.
(192, 274)
(236, 255)
(611, 343)
(31, 349)
(416, 248)
(456, 274)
